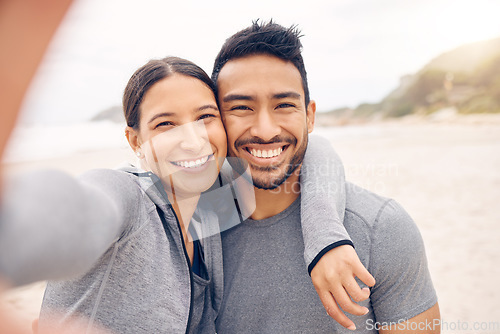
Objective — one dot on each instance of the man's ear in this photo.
(310, 116)
(134, 140)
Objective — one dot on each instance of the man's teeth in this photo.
(192, 163)
(266, 153)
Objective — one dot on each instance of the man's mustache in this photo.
(260, 141)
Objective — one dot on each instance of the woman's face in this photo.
(181, 137)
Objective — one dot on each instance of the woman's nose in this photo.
(194, 137)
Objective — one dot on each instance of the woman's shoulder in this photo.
(110, 177)
(119, 185)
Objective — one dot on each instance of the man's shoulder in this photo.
(364, 203)
(390, 246)
(375, 211)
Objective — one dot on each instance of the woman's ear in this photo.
(134, 141)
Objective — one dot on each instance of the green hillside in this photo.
(466, 78)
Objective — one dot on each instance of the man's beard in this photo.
(272, 182)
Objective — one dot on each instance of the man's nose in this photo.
(194, 137)
(265, 126)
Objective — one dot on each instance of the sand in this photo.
(447, 176)
(446, 173)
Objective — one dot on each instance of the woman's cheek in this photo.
(223, 142)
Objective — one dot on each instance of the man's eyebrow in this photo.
(285, 95)
(237, 97)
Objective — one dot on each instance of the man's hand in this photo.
(333, 278)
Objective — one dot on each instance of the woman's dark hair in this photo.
(264, 38)
(152, 72)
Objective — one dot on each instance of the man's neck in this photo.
(271, 202)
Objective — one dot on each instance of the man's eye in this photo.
(240, 108)
(285, 105)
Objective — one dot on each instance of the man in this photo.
(265, 105)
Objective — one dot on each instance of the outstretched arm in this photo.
(329, 254)
(54, 226)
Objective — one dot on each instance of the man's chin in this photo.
(269, 183)
(265, 186)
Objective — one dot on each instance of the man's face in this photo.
(267, 122)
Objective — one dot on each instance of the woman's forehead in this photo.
(177, 94)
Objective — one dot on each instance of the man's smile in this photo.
(264, 154)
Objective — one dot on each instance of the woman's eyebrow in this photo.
(164, 114)
(207, 106)
(169, 114)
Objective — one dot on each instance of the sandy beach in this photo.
(447, 176)
(446, 173)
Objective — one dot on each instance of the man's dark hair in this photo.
(264, 38)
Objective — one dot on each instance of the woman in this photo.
(144, 282)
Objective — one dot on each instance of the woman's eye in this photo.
(205, 116)
(166, 123)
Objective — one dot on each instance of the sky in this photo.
(355, 51)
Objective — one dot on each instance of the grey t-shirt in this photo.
(267, 288)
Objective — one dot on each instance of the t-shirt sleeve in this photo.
(404, 287)
(54, 226)
(323, 201)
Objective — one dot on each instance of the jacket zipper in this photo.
(160, 188)
(186, 257)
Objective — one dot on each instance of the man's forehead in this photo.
(254, 62)
(249, 71)
(253, 96)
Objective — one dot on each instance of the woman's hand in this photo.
(333, 277)
(13, 323)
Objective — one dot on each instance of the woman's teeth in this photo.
(191, 163)
(266, 153)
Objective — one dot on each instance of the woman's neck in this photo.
(184, 208)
